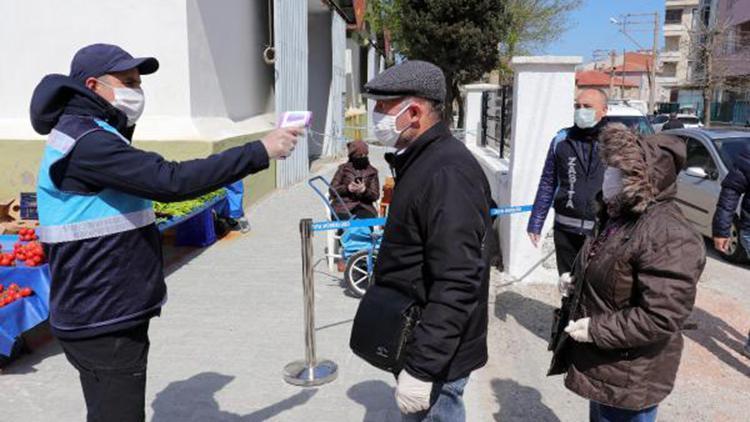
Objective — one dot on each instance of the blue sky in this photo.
(591, 28)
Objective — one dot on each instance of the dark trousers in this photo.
(602, 413)
(112, 369)
(567, 245)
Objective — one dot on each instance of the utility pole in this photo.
(634, 22)
(612, 57)
(654, 52)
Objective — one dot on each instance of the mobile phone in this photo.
(358, 180)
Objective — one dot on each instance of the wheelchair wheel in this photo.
(358, 275)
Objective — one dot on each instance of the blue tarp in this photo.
(358, 239)
(235, 195)
(25, 314)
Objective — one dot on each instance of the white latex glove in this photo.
(565, 284)
(412, 395)
(579, 330)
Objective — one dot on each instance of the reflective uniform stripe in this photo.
(96, 228)
(575, 222)
(60, 141)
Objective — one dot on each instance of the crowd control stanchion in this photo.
(310, 371)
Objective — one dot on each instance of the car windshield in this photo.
(729, 148)
(689, 120)
(638, 122)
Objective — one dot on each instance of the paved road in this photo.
(234, 319)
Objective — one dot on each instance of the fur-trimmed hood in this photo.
(650, 165)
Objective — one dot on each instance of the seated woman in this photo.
(356, 181)
(634, 283)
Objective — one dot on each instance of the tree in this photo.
(716, 48)
(532, 25)
(460, 36)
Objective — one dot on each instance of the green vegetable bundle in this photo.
(179, 209)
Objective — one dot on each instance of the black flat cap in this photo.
(413, 78)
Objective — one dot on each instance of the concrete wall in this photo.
(230, 41)
(212, 87)
(319, 61)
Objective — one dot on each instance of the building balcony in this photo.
(670, 56)
(674, 29)
(682, 3)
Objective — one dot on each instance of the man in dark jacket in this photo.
(734, 186)
(571, 179)
(94, 198)
(433, 247)
(673, 123)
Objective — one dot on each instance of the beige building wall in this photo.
(674, 57)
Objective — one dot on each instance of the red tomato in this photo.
(13, 286)
(30, 263)
(37, 259)
(1, 287)
(22, 232)
(26, 292)
(21, 256)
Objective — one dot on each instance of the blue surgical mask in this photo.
(585, 118)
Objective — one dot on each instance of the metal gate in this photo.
(495, 122)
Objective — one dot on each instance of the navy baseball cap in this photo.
(99, 59)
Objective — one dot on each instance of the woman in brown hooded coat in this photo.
(639, 272)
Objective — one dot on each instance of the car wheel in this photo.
(736, 252)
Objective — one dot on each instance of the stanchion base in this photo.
(299, 373)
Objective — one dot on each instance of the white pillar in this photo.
(543, 96)
(373, 69)
(473, 108)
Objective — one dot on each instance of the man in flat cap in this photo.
(433, 247)
(94, 198)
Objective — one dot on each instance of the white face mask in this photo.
(585, 118)
(130, 101)
(612, 184)
(385, 126)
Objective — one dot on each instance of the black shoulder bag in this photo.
(561, 317)
(383, 327)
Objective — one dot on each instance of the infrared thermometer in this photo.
(301, 119)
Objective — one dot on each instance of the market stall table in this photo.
(24, 314)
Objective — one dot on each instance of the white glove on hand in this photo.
(412, 395)
(565, 284)
(579, 330)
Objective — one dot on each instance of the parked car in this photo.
(690, 121)
(710, 155)
(630, 117)
(639, 105)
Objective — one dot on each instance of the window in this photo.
(673, 17)
(672, 43)
(698, 156)
(731, 148)
(669, 70)
(661, 119)
(639, 123)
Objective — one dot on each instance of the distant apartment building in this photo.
(675, 63)
(624, 76)
(730, 21)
